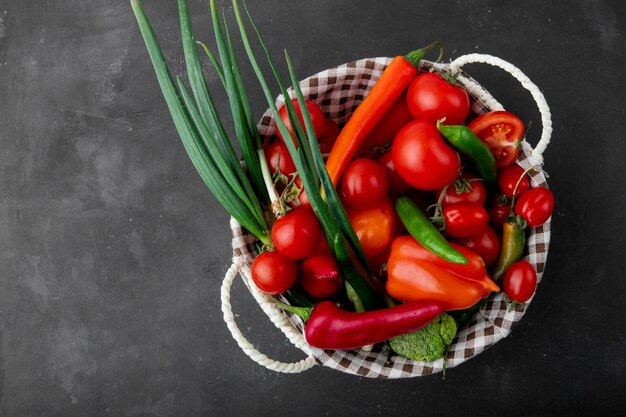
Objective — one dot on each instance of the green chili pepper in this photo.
(420, 227)
(512, 246)
(466, 142)
(354, 272)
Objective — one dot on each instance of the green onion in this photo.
(201, 131)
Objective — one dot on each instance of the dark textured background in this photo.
(112, 251)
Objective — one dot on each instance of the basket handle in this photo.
(546, 116)
(274, 314)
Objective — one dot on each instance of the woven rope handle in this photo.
(277, 318)
(544, 109)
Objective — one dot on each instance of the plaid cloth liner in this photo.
(339, 91)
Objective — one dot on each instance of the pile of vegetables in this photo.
(392, 228)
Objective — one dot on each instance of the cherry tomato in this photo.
(278, 156)
(501, 131)
(498, 213)
(465, 219)
(364, 183)
(535, 206)
(508, 178)
(486, 245)
(303, 199)
(273, 273)
(297, 234)
(386, 129)
(374, 226)
(397, 184)
(331, 132)
(317, 118)
(422, 157)
(520, 281)
(319, 276)
(432, 98)
(466, 189)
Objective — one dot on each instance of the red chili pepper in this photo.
(391, 84)
(329, 327)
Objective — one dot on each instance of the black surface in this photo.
(112, 251)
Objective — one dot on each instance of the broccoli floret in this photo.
(429, 342)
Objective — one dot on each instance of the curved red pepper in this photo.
(413, 273)
(329, 327)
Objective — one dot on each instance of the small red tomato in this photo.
(466, 189)
(303, 199)
(317, 118)
(364, 183)
(397, 184)
(500, 210)
(331, 132)
(319, 276)
(465, 219)
(508, 178)
(486, 245)
(535, 206)
(297, 234)
(273, 273)
(520, 281)
(278, 156)
(374, 226)
(423, 158)
(501, 131)
(432, 98)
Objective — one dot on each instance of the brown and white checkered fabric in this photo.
(339, 91)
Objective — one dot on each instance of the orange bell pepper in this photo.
(414, 273)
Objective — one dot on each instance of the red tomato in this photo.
(508, 178)
(466, 189)
(501, 131)
(317, 118)
(374, 226)
(319, 276)
(386, 129)
(297, 234)
(520, 281)
(397, 184)
(273, 273)
(364, 183)
(486, 245)
(331, 131)
(498, 213)
(465, 219)
(535, 206)
(432, 98)
(278, 156)
(303, 199)
(423, 158)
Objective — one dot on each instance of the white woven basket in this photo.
(339, 91)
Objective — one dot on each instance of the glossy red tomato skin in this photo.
(431, 97)
(397, 184)
(465, 219)
(328, 139)
(477, 194)
(535, 206)
(501, 131)
(273, 273)
(485, 244)
(320, 277)
(277, 155)
(508, 178)
(498, 214)
(317, 118)
(520, 281)
(297, 234)
(422, 157)
(364, 183)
